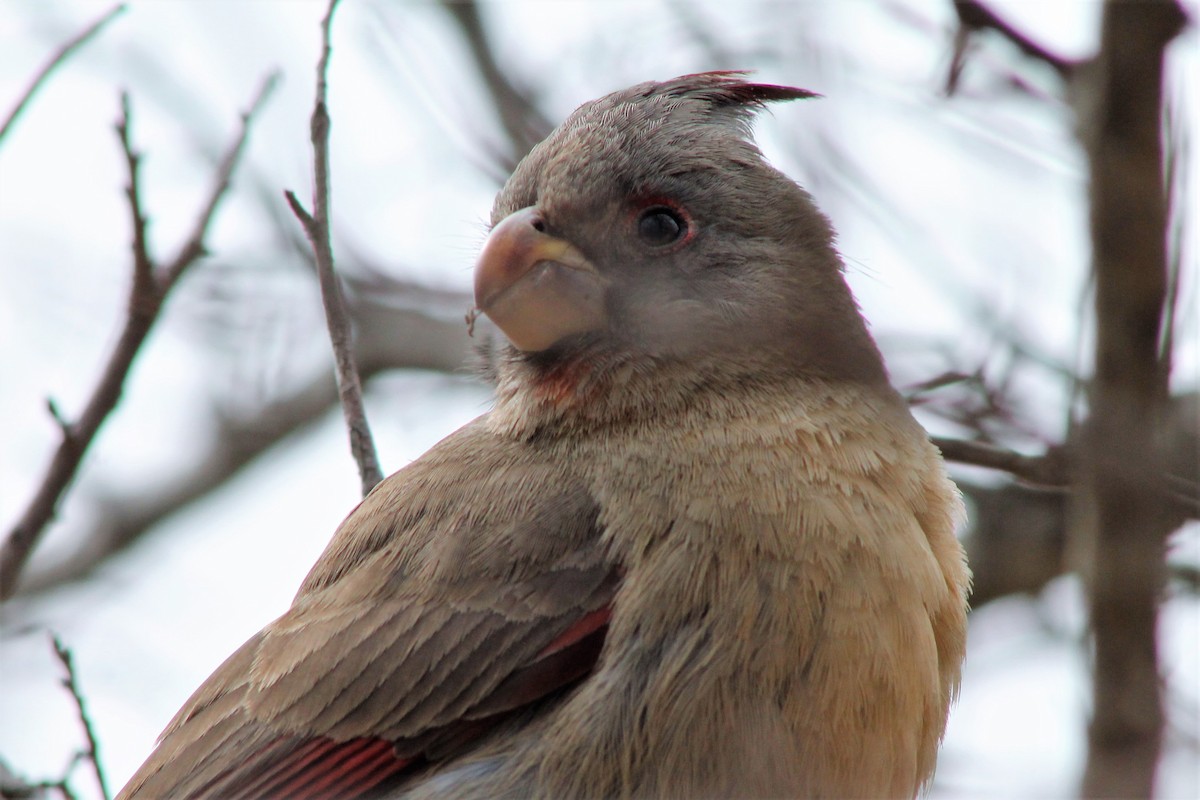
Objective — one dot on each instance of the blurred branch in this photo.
(62, 54)
(1049, 470)
(404, 327)
(92, 753)
(15, 787)
(1120, 521)
(150, 286)
(523, 123)
(982, 403)
(316, 227)
(1016, 540)
(974, 16)
(1017, 537)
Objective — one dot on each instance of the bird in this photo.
(698, 547)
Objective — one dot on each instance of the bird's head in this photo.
(649, 227)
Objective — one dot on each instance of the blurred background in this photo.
(949, 166)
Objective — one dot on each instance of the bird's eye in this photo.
(660, 226)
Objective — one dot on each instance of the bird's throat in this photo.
(564, 383)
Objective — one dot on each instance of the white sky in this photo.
(155, 623)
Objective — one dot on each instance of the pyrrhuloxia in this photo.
(699, 547)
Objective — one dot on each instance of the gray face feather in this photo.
(757, 281)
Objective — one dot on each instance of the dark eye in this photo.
(660, 226)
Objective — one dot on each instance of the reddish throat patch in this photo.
(559, 385)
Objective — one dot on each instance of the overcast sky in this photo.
(970, 214)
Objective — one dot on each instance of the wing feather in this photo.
(478, 585)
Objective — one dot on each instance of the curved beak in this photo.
(537, 288)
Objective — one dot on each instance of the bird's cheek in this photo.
(537, 288)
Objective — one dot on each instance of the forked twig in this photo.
(316, 228)
(72, 685)
(150, 286)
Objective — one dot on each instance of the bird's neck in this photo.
(588, 391)
(599, 390)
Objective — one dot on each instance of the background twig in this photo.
(61, 55)
(975, 16)
(150, 286)
(72, 686)
(316, 227)
(1047, 470)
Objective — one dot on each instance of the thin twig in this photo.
(948, 378)
(975, 16)
(64, 426)
(62, 54)
(143, 264)
(316, 227)
(194, 248)
(149, 288)
(72, 686)
(1047, 470)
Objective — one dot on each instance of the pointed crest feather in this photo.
(727, 88)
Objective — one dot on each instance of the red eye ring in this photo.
(662, 225)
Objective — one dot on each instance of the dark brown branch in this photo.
(1049, 470)
(975, 16)
(316, 227)
(149, 288)
(72, 685)
(1120, 522)
(62, 54)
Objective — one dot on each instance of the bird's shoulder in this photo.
(476, 500)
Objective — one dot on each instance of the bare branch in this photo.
(16, 787)
(143, 264)
(975, 16)
(1016, 539)
(316, 227)
(72, 686)
(1049, 470)
(1120, 522)
(61, 55)
(194, 248)
(149, 288)
(64, 427)
(404, 326)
